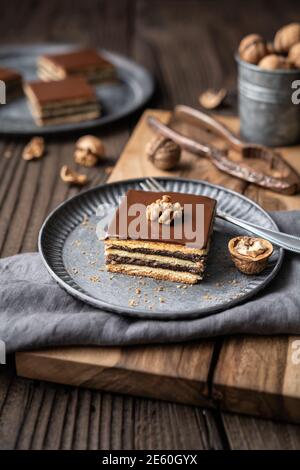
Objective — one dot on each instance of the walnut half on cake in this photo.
(164, 236)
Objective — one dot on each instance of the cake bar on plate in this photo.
(87, 63)
(63, 101)
(13, 83)
(169, 243)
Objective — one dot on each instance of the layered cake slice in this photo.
(63, 101)
(86, 63)
(13, 83)
(164, 236)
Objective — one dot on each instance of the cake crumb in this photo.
(75, 270)
(162, 300)
(207, 297)
(138, 291)
(85, 220)
(94, 278)
(132, 303)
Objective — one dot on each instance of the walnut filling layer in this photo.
(114, 259)
(158, 248)
(48, 73)
(65, 110)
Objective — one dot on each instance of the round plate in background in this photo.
(74, 256)
(118, 99)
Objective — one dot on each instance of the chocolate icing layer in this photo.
(119, 227)
(8, 75)
(77, 60)
(68, 89)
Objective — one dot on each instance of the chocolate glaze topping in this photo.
(192, 223)
(77, 60)
(72, 88)
(8, 75)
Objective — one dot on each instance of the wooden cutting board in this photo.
(253, 375)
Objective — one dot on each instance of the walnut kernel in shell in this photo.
(250, 254)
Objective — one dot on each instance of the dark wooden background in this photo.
(188, 45)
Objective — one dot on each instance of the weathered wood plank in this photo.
(246, 433)
(256, 375)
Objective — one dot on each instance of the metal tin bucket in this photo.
(267, 114)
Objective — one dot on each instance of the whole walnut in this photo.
(88, 150)
(275, 62)
(252, 48)
(294, 55)
(286, 37)
(163, 153)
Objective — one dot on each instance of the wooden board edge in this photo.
(112, 379)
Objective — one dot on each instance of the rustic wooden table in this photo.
(189, 46)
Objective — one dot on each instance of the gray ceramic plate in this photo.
(74, 256)
(132, 89)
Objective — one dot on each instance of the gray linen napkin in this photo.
(35, 312)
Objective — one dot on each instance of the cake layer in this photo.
(46, 74)
(156, 261)
(155, 273)
(64, 110)
(79, 117)
(87, 63)
(70, 100)
(13, 83)
(9, 75)
(159, 248)
(70, 89)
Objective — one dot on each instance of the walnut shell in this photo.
(248, 264)
(212, 99)
(88, 150)
(252, 48)
(294, 55)
(34, 149)
(164, 153)
(72, 177)
(286, 37)
(275, 62)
